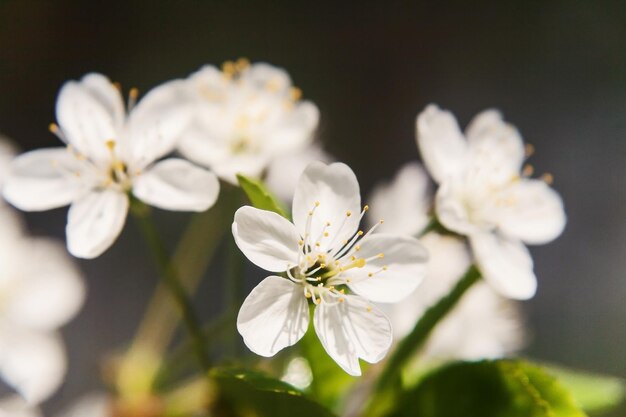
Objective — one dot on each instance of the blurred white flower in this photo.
(15, 406)
(483, 324)
(91, 405)
(482, 194)
(322, 253)
(7, 153)
(40, 290)
(284, 171)
(247, 116)
(110, 153)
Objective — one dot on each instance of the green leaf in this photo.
(250, 393)
(594, 393)
(330, 382)
(504, 388)
(259, 196)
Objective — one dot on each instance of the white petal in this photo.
(95, 221)
(91, 405)
(457, 212)
(176, 184)
(404, 258)
(496, 148)
(505, 264)
(108, 95)
(15, 406)
(50, 289)
(266, 238)
(33, 363)
(534, 212)
(88, 116)
(336, 189)
(441, 143)
(273, 316)
(404, 203)
(294, 131)
(261, 75)
(351, 330)
(155, 125)
(43, 179)
(284, 171)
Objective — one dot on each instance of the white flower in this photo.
(110, 153)
(483, 195)
(95, 404)
(247, 115)
(329, 262)
(483, 324)
(7, 153)
(15, 406)
(40, 290)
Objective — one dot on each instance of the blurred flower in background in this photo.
(483, 324)
(484, 194)
(109, 153)
(247, 115)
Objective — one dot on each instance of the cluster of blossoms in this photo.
(40, 291)
(250, 119)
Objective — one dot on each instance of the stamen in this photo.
(547, 178)
(529, 149)
(242, 64)
(56, 131)
(132, 98)
(528, 170)
(295, 93)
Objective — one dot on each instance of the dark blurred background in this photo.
(556, 69)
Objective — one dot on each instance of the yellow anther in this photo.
(348, 213)
(348, 280)
(133, 93)
(353, 258)
(308, 295)
(381, 221)
(528, 170)
(317, 203)
(332, 287)
(360, 233)
(343, 291)
(318, 300)
(110, 144)
(325, 234)
(229, 68)
(53, 128)
(301, 242)
(385, 268)
(322, 265)
(117, 86)
(529, 149)
(310, 213)
(359, 263)
(370, 274)
(327, 224)
(381, 255)
(369, 309)
(366, 207)
(318, 278)
(242, 64)
(547, 178)
(317, 244)
(295, 93)
(341, 299)
(357, 248)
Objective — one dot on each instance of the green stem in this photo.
(411, 343)
(170, 278)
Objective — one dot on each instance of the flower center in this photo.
(326, 273)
